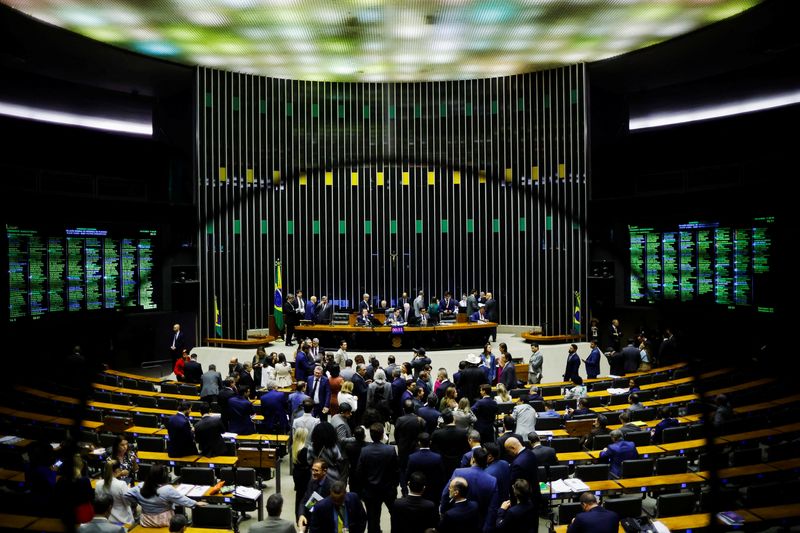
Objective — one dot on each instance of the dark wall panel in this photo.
(386, 187)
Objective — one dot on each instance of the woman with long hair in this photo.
(158, 499)
(502, 394)
(346, 395)
(301, 471)
(449, 399)
(463, 415)
(129, 464)
(324, 445)
(74, 493)
(115, 487)
(283, 372)
(489, 363)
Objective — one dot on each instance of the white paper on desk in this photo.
(558, 486)
(11, 439)
(198, 491)
(576, 485)
(99, 451)
(545, 433)
(184, 488)
(247, 492)
(614, 392)
(228, 435)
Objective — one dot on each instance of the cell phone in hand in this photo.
(58, 463)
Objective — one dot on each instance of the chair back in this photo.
(671, 465)
(150, 444)
(212, 516)
(565, 445)
(637, 468)
(592, 472)
(675, 504)
(625, 507)
(639, 438)
(556, 472)
(198, 475)
(568, 511)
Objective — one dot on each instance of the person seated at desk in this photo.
(422, 320)
(583, 409)
(619, 450)
(666, 422)
(593, 519)
(599, 428)
(158, 499)
(365, 318)
(549, 411)
(578, 391)
(479, 315)
(395, 319)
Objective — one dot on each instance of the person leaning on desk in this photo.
(158, 499)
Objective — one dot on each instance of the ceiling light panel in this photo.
(377, 40)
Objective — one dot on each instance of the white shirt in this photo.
(121, 509)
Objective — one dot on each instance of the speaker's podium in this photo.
(579, 428)
(261, 459)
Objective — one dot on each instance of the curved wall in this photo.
(381, 188)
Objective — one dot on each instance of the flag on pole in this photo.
(278, 300)
(217, 319)
(576, 318)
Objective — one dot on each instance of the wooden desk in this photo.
(644, 451)
(114, 406)
(715, 373)
(682, 446)
(594, 486)
(264, 437)
(162, 457)
(690, 521)
(642, 484)
(15, 521)
(551, 339)
(91, 424)
(468, 334)
(142, 430)
(788, 428)
(26, 415)
(740, 387)
(8, 474)
(250, 342)
(660, 384)
(740, 471)
(47, 524)
(777, 512)
(749, 435)
(222, 460)
(572, 457)
(133, 376)
(786, 464)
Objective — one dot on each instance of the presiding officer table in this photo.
(466, 334)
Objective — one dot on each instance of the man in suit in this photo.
(274, 523)
(103, 502)
(462, 515)
(179, 429)
(319, 483)
(525, 466)
(413, 513)
(509, 430)
(619, 450)
(632, 357)
(535, 364)
(573, 362)
(419, 304)
(406, 431)
(472, 302)
(593, 519)
(208, 433)
(274, 408)
(525, 416)
(226, 392)
(324, 311)
(491, 313)
(499, 469)
(430, 414)
(593, 361)
(360, 388)
(447, 305)
(240, 410)
(485, 410)
(364, 304)
(378, 468)
(508, 376)
(302, 303)
(246, 380)
(616, 335)
(303, 364)
(627, 426)
(450, 441)
(311, 309)
(429, 463)
(192, 370)
(479, 315)
(211, 384)
(545, 455)
(320, 393)
(472, 377)
(403, 300)
(178, 343)
(340, 511)
(290, 318)
(482, 489)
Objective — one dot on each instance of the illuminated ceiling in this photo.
(381, 40)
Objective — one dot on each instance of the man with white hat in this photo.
(471, 379)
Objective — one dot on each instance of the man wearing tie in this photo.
(301, 305)
(324, 311)
(311, 309)
(178, 343)
(320, 393)
(364, 304)
(448, 305)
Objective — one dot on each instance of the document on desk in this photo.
(569, 485)
(11, 439)
(229, 435)
(249, 493)
(198, 491)
(184, 488)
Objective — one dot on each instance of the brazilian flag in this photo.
(576, 318)
(217, 319)
(278, 300)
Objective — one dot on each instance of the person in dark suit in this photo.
(340, 511)
(274, 523)
(448, 305)
(319, 483)
(666, 422)
(413, 513)
(592, 361)
(616, 335)
(378, 468)
(429, 463)
(240, 410)
(179, 429)
(619, 450)
(324, 311)
(631, 356)
(274, 408)
(320, 392)
(227, 392)
(499, 469)
(430, 414)
(508, 376)
(482, 489)
(593, 519)
(471, 379)
(472, 302)
(573, 362)
(211, 384)
(545, 455)
(485, 411)
(406, 431)
(462, 515)
(520, 517)
(192, 370)
(491, 313)
(525, 466)
(311, 309)
(479, 315)
(208, 433)
(450, 442)
(246, 379)
(290, 317)
(364, 304)
(178, 343)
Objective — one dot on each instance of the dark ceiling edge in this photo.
(31, 45)
(761, 37)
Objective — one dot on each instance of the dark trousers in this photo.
(289, 333)
(374, 498)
